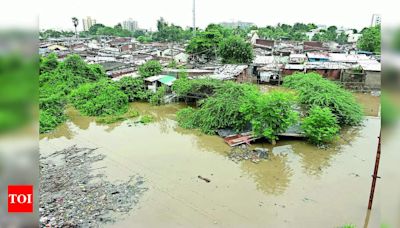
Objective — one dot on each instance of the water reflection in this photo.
(272, 176)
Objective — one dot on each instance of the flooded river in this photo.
(298, 186)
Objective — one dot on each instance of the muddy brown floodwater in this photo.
(298, 186)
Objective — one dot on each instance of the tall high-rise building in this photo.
(376, 20)
(87, 23)
(130, 25)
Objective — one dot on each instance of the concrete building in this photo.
(87, 23)
(130, 25)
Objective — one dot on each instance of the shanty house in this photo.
(317, 57)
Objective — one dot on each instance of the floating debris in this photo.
(72, 196)
(243, 152)
(204, 179)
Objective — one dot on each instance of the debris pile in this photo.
(243, 152)
(72, 195)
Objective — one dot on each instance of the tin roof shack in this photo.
(372, 69)
(265, 44)
(232, 72)
(328, 70)
(154, 82)
(297, 58)
(192, 73)
(310, 46)
(317, 57)
(270, 73)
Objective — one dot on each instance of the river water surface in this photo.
(298, 186)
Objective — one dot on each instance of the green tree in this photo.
(48, 64)
(235, 50)
(94, 28)
(270, 114)
(320, 126)
(341, 38)
(150, 68)
(205, 43)
(370, 40)
(314, 90)
(134, 88)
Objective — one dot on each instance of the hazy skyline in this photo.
(58, 14)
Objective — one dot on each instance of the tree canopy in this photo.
(235, 50)
(370, 40)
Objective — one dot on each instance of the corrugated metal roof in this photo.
(370, 65)
(167, 80)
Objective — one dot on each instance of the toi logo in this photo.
(20, 198)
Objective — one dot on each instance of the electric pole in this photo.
(194, 17)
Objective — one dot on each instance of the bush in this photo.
(206, 87)
(146, 119)
(316, 91)
(51, 112)
(134, 88)
(56, 81)
(99, 99)
(158, 97)
(186, 118)
(222, 110)
(150, 68)
(320, 126)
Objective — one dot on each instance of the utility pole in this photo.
(194, 17)
(375, 175)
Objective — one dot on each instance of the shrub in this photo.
(146, 119)
(150, 68)
(186, 118)
(99, 99)
(183, 86)
(222, 110)
(56, 81)
(51, 112)
(134, 88)
(270, 114)
(320, 126)
(158, 97)
(316, 91)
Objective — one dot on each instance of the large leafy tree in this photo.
(205, 43)
(235, 50)
(370, 40)
(150, 68)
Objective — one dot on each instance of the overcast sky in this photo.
(57, 14)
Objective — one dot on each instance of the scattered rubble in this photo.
(243, 152)
(71, 195)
